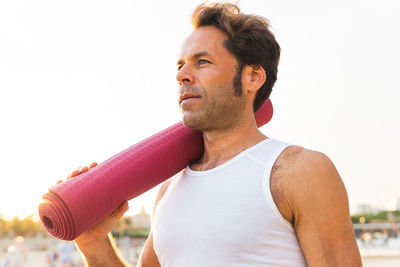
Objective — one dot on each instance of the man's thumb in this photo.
(119, 212)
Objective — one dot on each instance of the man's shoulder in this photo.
(296, 160)
(299, 174)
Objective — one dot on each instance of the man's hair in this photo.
(249, 40)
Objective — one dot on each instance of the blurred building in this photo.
(141, 220)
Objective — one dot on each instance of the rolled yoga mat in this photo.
(72, 207)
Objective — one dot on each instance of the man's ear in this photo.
(254, 77)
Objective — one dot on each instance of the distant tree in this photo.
(382, 216)
(16, 226)
(140, 233)
(3, 226)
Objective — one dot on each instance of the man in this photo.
(249, 200)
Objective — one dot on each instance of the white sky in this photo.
(82, 80)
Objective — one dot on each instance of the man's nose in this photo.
(185, 76)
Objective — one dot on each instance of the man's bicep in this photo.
(321, 214)
(148, 257)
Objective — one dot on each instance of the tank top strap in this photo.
(277, 148)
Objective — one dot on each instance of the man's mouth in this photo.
(187, 96)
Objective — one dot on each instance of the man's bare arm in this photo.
(313, 197)
(103, 253)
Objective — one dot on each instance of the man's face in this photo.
(206, 72)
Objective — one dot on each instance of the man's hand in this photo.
(96, 243)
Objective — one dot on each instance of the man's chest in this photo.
(224, 212)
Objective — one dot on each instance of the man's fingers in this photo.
(124, 207)
(83, 169)
(78, 171)
(94, 164)
(73, 174)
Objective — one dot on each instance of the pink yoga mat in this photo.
(70, 208)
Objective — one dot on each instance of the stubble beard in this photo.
(220, 113)
(216, 116)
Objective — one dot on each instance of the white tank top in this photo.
(226, 216)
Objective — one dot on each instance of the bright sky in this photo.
(82, 80)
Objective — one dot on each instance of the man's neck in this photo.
(222, 145)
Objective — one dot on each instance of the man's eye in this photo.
(179, 67)
(202, 61)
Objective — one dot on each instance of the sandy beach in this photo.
(38, 258)
(39, 249)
